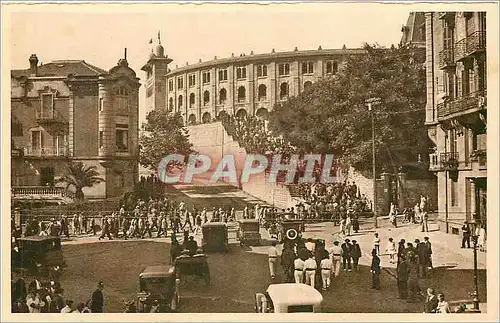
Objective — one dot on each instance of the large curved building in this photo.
(239, 85)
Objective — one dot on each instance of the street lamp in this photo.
(370, 103)
(475, 294)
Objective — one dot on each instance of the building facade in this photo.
(238, 85)
(456, 114)
(70, 110)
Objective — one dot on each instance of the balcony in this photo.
(473, 101)
(479, 156)
(40, 192)
(475, 42)
(449, 161)
(50, 117)
(46, 152)
(447, 58)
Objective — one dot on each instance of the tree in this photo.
(163, 134)
(331, 116)
(79, 176)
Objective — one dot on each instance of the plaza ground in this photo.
(237, 275)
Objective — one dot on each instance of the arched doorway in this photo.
(192, 119)
(241, 114)
(222, 115)
(307, 85)
(262, 113)
(206, 117)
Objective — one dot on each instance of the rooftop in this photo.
(62, 68)
(272, 55)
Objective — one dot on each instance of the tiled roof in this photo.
(63, 68)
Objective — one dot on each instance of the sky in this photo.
(99, 33)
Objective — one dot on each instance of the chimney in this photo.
(33, 64)
(125, 54)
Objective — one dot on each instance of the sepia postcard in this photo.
(259, 161)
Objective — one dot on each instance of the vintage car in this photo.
(289, 298)
(158, 284)
(196, 265)
(249, 232)
(38, 253)
(215, 237)
(290, 230)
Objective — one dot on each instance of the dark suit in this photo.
(346, 255)
(429, 249)
(97, 302)
(430, 304)
(355, 254)
(375, 268)
(403, 272)
(465, 236)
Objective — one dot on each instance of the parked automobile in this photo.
(289, 298)
(38, 253)
(249, 232)
(215, 237)
(196, 265)
(290, 230)
(158, 285)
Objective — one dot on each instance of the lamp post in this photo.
(475, 294)
(370, 103)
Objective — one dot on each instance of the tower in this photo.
(156, 84)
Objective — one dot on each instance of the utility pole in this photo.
(370, 103)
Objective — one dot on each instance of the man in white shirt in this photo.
(273, 255)
(298, 273)
(310, 267)
(326, 270)
(68, 308)
(335, 253)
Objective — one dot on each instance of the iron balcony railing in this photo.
(41, 190)
(471, 101)
(46, 152)
(449, 160)
(474, 42)
(446, 58)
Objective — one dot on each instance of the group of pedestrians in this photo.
(308, 261)
(41, 296)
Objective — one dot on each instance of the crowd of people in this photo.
(47, 296)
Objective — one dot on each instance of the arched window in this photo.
(307, 85)
(191, 100)
(206, 97)
(179, 102)
(262, 113)
(241, 94)
(262, 92)
(222, 96)
(284, 91)
(171, 104)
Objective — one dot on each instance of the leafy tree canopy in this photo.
(332, 117)
(79, 176)
(163, 134)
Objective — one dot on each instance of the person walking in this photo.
(355, 254)
(376, 244)
(335, 253)
(273, 255)
(391, 250)
(346, 255)
(424, 220)
(465, 235)
(326, 270)
(401, 249)
(423, 259)
(375, 270)
(97, 299)
(310, 267)
(287, 262)
(429, 251)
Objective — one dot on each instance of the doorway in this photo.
(47, 176)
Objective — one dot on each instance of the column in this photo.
(251, 90)
(386, 177)
(272, 89)
(401, 191)
(107, 124)
(71, 118)
(473, 197)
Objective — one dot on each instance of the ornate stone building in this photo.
(73, 111)
(239, 85)
(456, 113)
